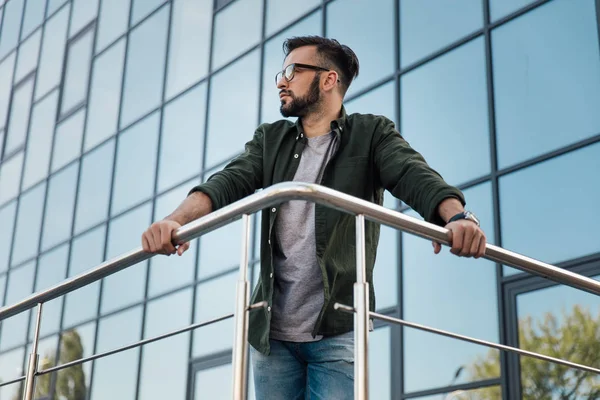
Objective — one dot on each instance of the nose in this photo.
(282, 83)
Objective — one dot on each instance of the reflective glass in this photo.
(445, 113)
(112, 23)
(385, 275)
(54, 5)
(127, 286)
(213, 382)
(373, 43)
(47, 349)
(136, 164)
(10, 176)
(29, 224)
(213, 300)
(84, 11)
(2, 284)
(53, 51)
(226, 135)
(165, 362)
(34, 16)
(20, 284)
(19, 116)
(217, 252)
(501, 8)
(228, 42)
(183, 128)
(167, 273)
(142, 8)
(105, 95)
(87, 252)
(425, 29)
(76, 344)
(281, 12)
(546, 96)
(487, 393)
(115, 376)
(7, 68)
(40, 140)
(189, 44)
(564, 322)
(94, 186)
(7, 219)
(60, 204)
(381, 101)
(274, 58)
(29, 52)
(67, 143)
(460, 297)
(11, 367)
(380, 364)
(77, 72)
(145, 67)
(9, 36)
(526, 226)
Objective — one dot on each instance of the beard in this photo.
(302, 106)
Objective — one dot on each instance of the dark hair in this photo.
(331, 54)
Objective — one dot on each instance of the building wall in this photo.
(111, 110)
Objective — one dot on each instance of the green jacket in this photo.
(371, 157)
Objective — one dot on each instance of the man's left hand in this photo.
(468, 240)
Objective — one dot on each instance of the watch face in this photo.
(472, 217)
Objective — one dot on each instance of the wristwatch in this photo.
(465, 215)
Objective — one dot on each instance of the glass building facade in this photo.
(111, 110)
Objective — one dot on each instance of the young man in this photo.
(301, 346)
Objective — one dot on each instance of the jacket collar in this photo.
(336, 125)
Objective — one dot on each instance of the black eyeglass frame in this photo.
(293, 66)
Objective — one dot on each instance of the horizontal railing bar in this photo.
(349, 309)
(281, 193)
(13, 381)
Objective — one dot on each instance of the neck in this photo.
(319, 122)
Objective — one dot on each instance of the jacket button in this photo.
(295, 155)
(271, 275)
(273, 209)
(269, 241)
(269, 309)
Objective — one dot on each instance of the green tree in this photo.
(575, 337)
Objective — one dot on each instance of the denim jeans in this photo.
(314, 370)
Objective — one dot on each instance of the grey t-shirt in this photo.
(298, 287)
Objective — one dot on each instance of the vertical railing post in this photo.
(240, 344)
(33, 358)
(361, 316)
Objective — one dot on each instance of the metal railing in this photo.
(274, 195)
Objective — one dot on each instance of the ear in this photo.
(331, 81)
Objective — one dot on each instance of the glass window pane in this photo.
(213, 382)
(167, 273)
(487, 393)
(105, 96)
(426, 28)
(526, 226)
(67, 143)
(281, 12)
(84, 11)
(380, 364)
(34, 16)
(40, 140)
(112, 23)
(532, 116)
(226, 135)
(220, 249)
(19, 117)
(381, 101)
(213, 301)
(7, 68)
(142, 8)
(273, 63)
(165, 362)
(29, 224)
(87, 252)
(385, 275)
(59, 206)
(127, 286)
(229, 42)
(54, 5)
(74, 345)
(94, 186)
(10, 177)
(20, 284)
(78, 71)
(444, 107)
(7, 219)
(501, 8)
(29, 52)
(116, 376)
(461, 298)
(136, 164)
(11, 368)
(2, 285)
(53, 51)
(189, 44)
(183, 122)
(373, 43)
(9, 36)
(145, 67)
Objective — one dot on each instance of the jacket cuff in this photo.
(212, 193)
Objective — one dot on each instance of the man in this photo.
(301, 346)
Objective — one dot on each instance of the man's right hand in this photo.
(157, 238)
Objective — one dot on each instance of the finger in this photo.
(482, 246)
(166, 242)
(436, 247)
(182, 248)
(156, 239)
(457, 239)
(474, 250)
(465, 250)
(145, 244)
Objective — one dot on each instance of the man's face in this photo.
(302, 95)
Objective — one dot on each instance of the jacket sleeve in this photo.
(405, 173)
(241, 177)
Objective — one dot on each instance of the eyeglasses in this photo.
(289, 71)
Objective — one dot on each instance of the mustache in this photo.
(286, 92)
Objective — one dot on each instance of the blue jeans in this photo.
(314, 370)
